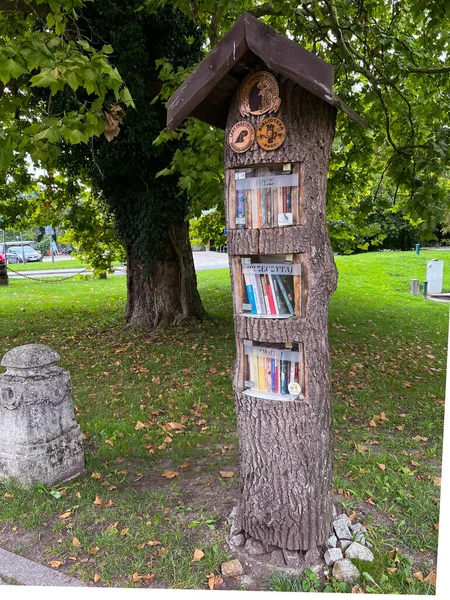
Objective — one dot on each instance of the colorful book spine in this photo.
(285, 294)
(261, 373)
(269, 208)
(273, 374)
(240, 220)
(270, 298)
(288, 199)
(268, 375)
(263, 279)
(250, 292)
(284, 376)
(258, 293)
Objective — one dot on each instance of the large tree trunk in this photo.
(286, 453)
(167, 295)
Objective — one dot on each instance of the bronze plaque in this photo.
(241, 136)
(259, 94)
(271, 133)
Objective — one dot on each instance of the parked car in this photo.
(14, 254)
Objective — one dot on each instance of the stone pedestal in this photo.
(40, 439)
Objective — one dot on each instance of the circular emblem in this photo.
(294, 388)
(259, 94)
(271, 133)
(241, 136)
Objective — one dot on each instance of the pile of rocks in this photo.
(348, 542)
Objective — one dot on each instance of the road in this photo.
(203, 261)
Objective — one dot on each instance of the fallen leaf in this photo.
(381, 466)
(113, 525)
(170, 474)
(124, 531)
(185, 465)
(97, 577)
(76, 542)
(110, 442)
(94, 550)
(148, 577)
(55, 563)
(431, 578)
(399, 427)
(109, 504)
(65, 515)
(156, 380)
(419, 437)
(383, 417)
(159, 551)
(136, 577)
(98, 501)
(96, 475)
(139, 425)
(370, 501)
(213, 370)
(352, 516)
(436, 526)
(153, 543)
(198, 555)
(8, 495)
(418, 575)
(372, 423)
(360, 447)
(78, 495)
(211, 581)
(406, 384)
(437, 481)
(226, 474)
(178, 426)
(392, 570)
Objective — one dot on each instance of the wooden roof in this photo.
(207, 92)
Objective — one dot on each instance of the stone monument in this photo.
(40, 439)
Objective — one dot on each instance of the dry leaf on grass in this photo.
(98, 501)
(136, 577)
(149, 577)
(55, 563)
(8, 495)
(124, 531)
(65, 515)
(418, 575)
(360, 447)
(198, 555)
(96, 475)
(226, 474)
(94, 550)
(110, 442)
(431, 578)
(381, 466)
(76, 542)
(170, 474)
(97, 577)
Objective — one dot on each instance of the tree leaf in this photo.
(226, 474)
(170, 474)
(198, 555)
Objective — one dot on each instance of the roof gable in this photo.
(207, 92)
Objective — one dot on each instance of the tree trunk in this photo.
(167, 295)
(286, 453)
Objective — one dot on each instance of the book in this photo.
(250, 292)
(270, 298)
(258, 294)
(287, 291)
(284, 377)
(263, 279)
(280, 303)
(240, 217)
(273, 375)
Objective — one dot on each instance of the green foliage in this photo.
(390, 67)
(43, 245)
(209, 227)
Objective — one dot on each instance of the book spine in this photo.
(284, 376)
(273, 374)
(248, 208)
(276, 295)
(292, 372)
(261, 373)
(258, 207)
(250, 292)
(268, 374)
(258, 293)
(285, 294)
(284, 200)
(254, 209)
(240, 209)
(288, 199)
(264, 291)
(269, 208)
(270, 299)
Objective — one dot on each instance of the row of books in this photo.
(263, 208)
(270, 290)
(273, 371)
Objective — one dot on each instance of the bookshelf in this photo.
(273, 371)
(264, 196)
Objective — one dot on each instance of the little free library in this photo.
(275, 101)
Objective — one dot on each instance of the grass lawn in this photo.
(151, 403)
(70, 263)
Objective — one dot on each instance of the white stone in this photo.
(332, 541)
(345, 570)
(237, 540)
(254, 547)
(356, 550)
(342, 530)
(332, 555)
(40, 439)
(345, 519)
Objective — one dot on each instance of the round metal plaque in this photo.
(271, 133)
(241, 136)
(259, 94)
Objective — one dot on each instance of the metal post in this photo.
(23, 251)
(52, 254)
(417, 249)
(425, 289)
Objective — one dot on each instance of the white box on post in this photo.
(435, 271)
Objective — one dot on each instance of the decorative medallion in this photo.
(271, 133)
(241, 136)
(259, 94)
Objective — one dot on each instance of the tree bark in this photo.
(286, 453)
(166, 295)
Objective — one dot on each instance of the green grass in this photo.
(48, 265)
(388, 352)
